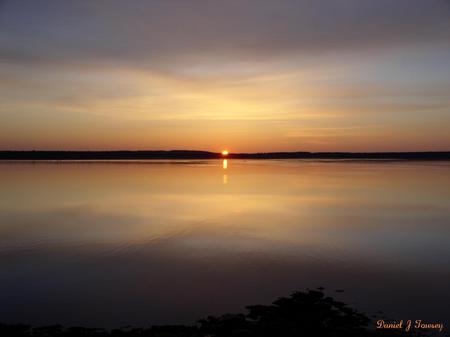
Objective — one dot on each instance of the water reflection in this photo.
(225, 179)
(107, 244)
(225, 176)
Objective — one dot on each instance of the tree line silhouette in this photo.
(190, 154)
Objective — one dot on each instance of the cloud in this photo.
(168, 34)
(249, 74)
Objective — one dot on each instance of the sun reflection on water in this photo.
(225, 166)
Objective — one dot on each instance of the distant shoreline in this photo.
(182, 154)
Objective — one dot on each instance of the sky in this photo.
(246, 75)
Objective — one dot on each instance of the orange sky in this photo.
(164, 75)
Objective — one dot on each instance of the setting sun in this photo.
(338, 116)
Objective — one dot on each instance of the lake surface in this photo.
(155, 242)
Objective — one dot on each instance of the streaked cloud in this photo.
(313, 75)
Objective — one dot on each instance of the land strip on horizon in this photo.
(187, 154)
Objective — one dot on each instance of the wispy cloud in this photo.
(165, 74)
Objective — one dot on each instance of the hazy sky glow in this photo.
(337, 75)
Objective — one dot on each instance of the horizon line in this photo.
(197, 154)
(230, 152)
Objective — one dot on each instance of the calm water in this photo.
(108, 243)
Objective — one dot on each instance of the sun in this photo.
(225, 153)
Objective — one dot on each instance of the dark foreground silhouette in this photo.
(308, 314)
(182, 154)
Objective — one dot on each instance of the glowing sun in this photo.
(225, 153)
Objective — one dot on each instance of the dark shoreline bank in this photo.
(181, 154)
(309, 313)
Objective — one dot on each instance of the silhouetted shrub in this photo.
(308, 314)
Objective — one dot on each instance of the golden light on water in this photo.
(225, 166)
